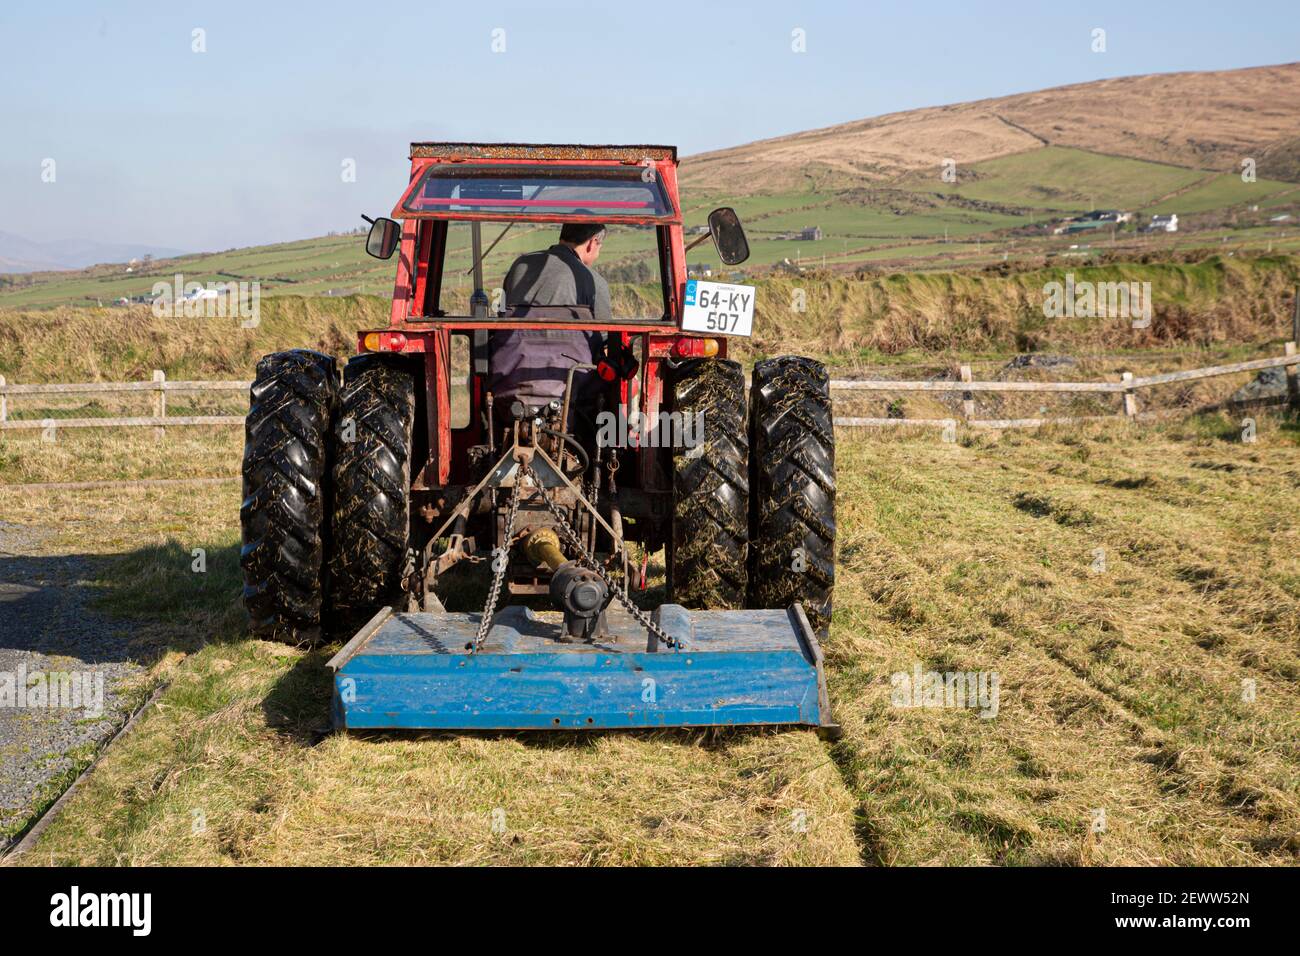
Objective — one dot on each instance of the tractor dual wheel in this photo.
(285, 503)
(706, 548)
(792, 488)
(372, 487)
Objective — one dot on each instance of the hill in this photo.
(1202, 120)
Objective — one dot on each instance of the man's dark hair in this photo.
(579, 232)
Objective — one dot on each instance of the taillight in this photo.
(695, 348)
(384, 342)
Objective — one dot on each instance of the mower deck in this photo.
(415, 671)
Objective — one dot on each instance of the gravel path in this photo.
(46, 629)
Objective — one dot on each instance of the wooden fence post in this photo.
(967, 398)
(1295, 315)
(4, 401)
(1292, 378)
(160, 402)
(1130, 396)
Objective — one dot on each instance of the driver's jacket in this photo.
(533, 364)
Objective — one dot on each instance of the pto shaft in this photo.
(543, 547)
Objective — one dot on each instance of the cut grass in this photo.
(229, 770)
(1121, 691)
(230, 766)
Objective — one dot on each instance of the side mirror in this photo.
(728, 236)
(383, 238)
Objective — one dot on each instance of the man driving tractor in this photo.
(532, 365)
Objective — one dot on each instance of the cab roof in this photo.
(542, 182)
(544, 151)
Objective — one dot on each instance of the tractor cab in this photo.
(470, 209)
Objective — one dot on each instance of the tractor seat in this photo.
(532, 365)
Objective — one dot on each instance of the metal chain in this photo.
(571, 538)
(498, 578)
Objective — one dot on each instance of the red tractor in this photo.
(361, 494)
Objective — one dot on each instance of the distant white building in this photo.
(1167, 223)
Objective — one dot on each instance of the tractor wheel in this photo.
(286, 472)
(706, 550)
(372, 486)
(792, 474)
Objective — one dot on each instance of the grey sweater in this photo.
(556, 276)
(533, 363)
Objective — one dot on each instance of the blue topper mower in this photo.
(537, 441)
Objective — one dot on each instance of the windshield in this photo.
(445, 190)
(629, 261)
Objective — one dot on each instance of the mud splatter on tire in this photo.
(707, 548)
(286, 472)
(372, 481)
(792, 477)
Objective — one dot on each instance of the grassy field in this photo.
(1068, 179)
(1226, 192)
(1136, 590)
(854, 234)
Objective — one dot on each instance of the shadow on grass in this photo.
(713, 739)
(1231, 427)
(134, 606)
(1290, 427)
(298, 706)
(189, 594)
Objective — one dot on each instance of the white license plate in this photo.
(718, 307)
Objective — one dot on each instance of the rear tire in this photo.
(792, 534)
(286, 472)
(372, 487)
(706, 549)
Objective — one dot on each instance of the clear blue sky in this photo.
(244, 143)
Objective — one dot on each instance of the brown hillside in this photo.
(1205, 120)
